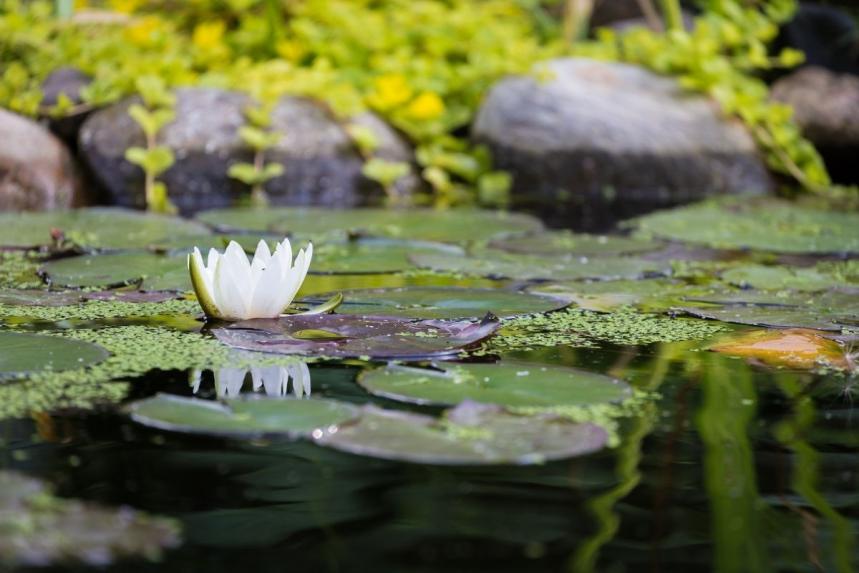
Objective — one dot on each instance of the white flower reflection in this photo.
(275, 381)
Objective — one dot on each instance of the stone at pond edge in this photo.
(68, 81)
(826, 107)
(321, 164)
(601, 141)
(36, 171)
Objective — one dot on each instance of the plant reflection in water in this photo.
(271, 380)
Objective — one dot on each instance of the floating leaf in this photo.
(455, 226)
(34, 297)
(241, 418)
(23, 354)
(527, 267)
(40, 529)
(832, 311)
(568, 244)
(783, 277)
(360, 336)
(373, 255)
(606, 296)
(794, 348)
(470, 434)
(96, 228)
(765, 224)
(316, 334)
(442, 302)
(157, 272)
(507, 383)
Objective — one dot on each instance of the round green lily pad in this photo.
(440, 302)
(241, 418)
(784, 277)
(470, 434)
(23, 354)
(606, 296)
(455, 226)
(510, 383)
(96, 228)
(157, 272)
(371, 256)
(763, 224)
(528, 267)
(568, 244)
(833, 310)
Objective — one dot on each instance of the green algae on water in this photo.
(100, 310)
(18, 269)
(582, 328)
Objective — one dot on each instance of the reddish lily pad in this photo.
(350, 336)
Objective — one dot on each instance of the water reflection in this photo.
(274, 381)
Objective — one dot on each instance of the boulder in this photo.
(69, 81)
(825, 104)
(36, 170)
(589, 142)
(393, 147)
(321, 164)
(826, 108)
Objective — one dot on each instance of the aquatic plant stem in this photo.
(577, 15)
(672, 14)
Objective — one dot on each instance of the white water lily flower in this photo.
(273, 381)
(229, 287)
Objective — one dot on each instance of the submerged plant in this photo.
(229, 287)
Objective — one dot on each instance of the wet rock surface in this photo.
(826, 107)
(67, 81)
(321, 163)
(36, 170)
(589, 142)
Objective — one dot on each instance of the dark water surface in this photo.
(734, 468)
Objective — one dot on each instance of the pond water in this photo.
(713, 462)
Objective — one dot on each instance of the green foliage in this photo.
(154, 159)
(409, 61)
(259, 138)
(723, 56)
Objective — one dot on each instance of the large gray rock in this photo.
(599, 141)
(825, 104)
(36, 170)
(321, 164)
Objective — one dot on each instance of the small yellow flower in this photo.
(208, 36)
(389, 91)
(143, 31)
(290, 50)
(427, 106)
(125, 6)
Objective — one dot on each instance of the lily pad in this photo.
(154, 272)
(832, 311)
(96, 228)
(456, 226)
(607, 296)
(23, 354)
(527, 267)
(37, 297)
(40, 529)
(470, 434)
(360, 336)
(509, 383)
(763, 224)
(441, 302)
(241, 418)
(568, 244)
(783, 277)
(371, 256)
